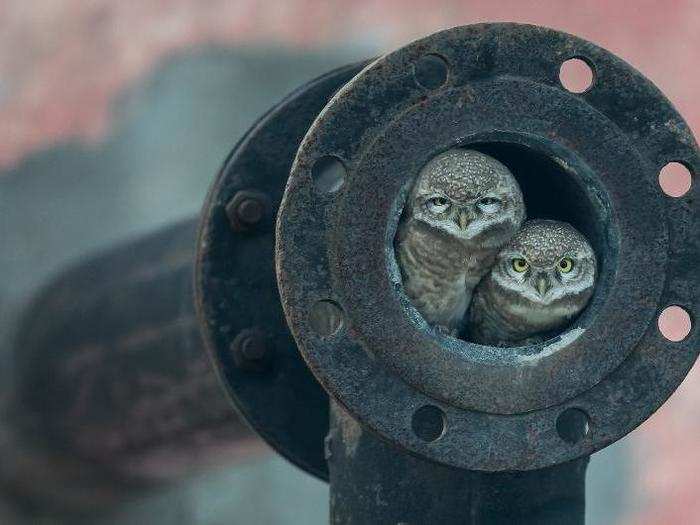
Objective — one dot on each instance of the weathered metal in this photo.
(114, 391)
(502, 409)
(372, 481)
(236, 288)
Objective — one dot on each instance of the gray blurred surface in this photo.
(268, 492)
(170, 134)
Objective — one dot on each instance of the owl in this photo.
(463, 207)
(541, 280)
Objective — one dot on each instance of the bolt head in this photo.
(250, 350)
(246, 209)
(250, 211)
(253, 348)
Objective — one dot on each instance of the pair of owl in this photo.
(471, 263)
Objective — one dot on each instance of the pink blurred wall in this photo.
(62, 61)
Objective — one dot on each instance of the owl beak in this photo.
(463, 220)
(543, 285)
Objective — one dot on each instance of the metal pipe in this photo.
(372, 481)
(114, 390)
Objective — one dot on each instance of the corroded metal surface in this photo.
(236, 288)
(372, 481)
(501, 406)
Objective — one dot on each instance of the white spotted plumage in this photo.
(512, 307)
(464, 206)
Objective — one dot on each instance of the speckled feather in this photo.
(464, 174)
(506, 311)
(440, 263)
(545, 242)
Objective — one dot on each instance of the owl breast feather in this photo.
(439, 275)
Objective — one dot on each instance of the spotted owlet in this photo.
(540, 281)
(464, 206)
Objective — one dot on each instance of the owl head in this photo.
(469, 196)
(547, 271)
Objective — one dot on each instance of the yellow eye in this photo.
(566, 265)
(520, 265)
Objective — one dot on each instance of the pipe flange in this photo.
(458, 403)
(237, 302)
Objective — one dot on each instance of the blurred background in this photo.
(114, 118)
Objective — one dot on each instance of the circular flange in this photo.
(502, 407)
(237, 301)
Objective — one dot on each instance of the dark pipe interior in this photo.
(550, 191)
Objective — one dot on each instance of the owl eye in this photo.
(566, 265)
(489, 204)
(520, 265)
(438, 204)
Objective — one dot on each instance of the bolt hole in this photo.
(328, 174)
(675, 179)
(326, 318)
(428, 423)
(674, 323)
(576, 75)
(430, 71)
(573, 425)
